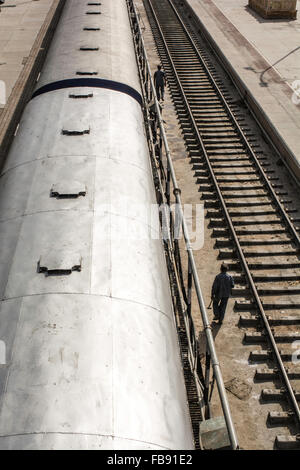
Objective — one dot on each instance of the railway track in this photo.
(251, 216)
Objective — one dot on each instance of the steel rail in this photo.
(207, 328)
(282, 369)
(241, 132)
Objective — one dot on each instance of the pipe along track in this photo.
(251, 222)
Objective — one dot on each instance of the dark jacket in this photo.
(159, 78)
(222, 286)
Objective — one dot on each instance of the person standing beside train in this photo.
(220, 293)
(160, 83)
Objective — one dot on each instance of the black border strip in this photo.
(92, 83)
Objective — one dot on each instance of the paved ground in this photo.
(276, 40)
(19, 26)
(266, 56)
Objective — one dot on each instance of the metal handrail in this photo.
(193, 275)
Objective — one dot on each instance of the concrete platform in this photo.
(26, 30)
(19, 26)
(263, 58)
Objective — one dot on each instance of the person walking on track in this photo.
(160, 83)
(220, 293)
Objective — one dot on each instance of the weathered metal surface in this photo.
(92, 355)
(114, 58)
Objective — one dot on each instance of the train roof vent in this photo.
(94, 4)
(91, 28)
(68, 190)
(75, 128)
(89, 48)
(87, 72)
(93, 12)
(59, 264)
(81, 94)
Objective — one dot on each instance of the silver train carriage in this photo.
(92, 356)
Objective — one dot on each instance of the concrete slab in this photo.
(265, 55)
(19, 27)
(276, 40)
(30, 26)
